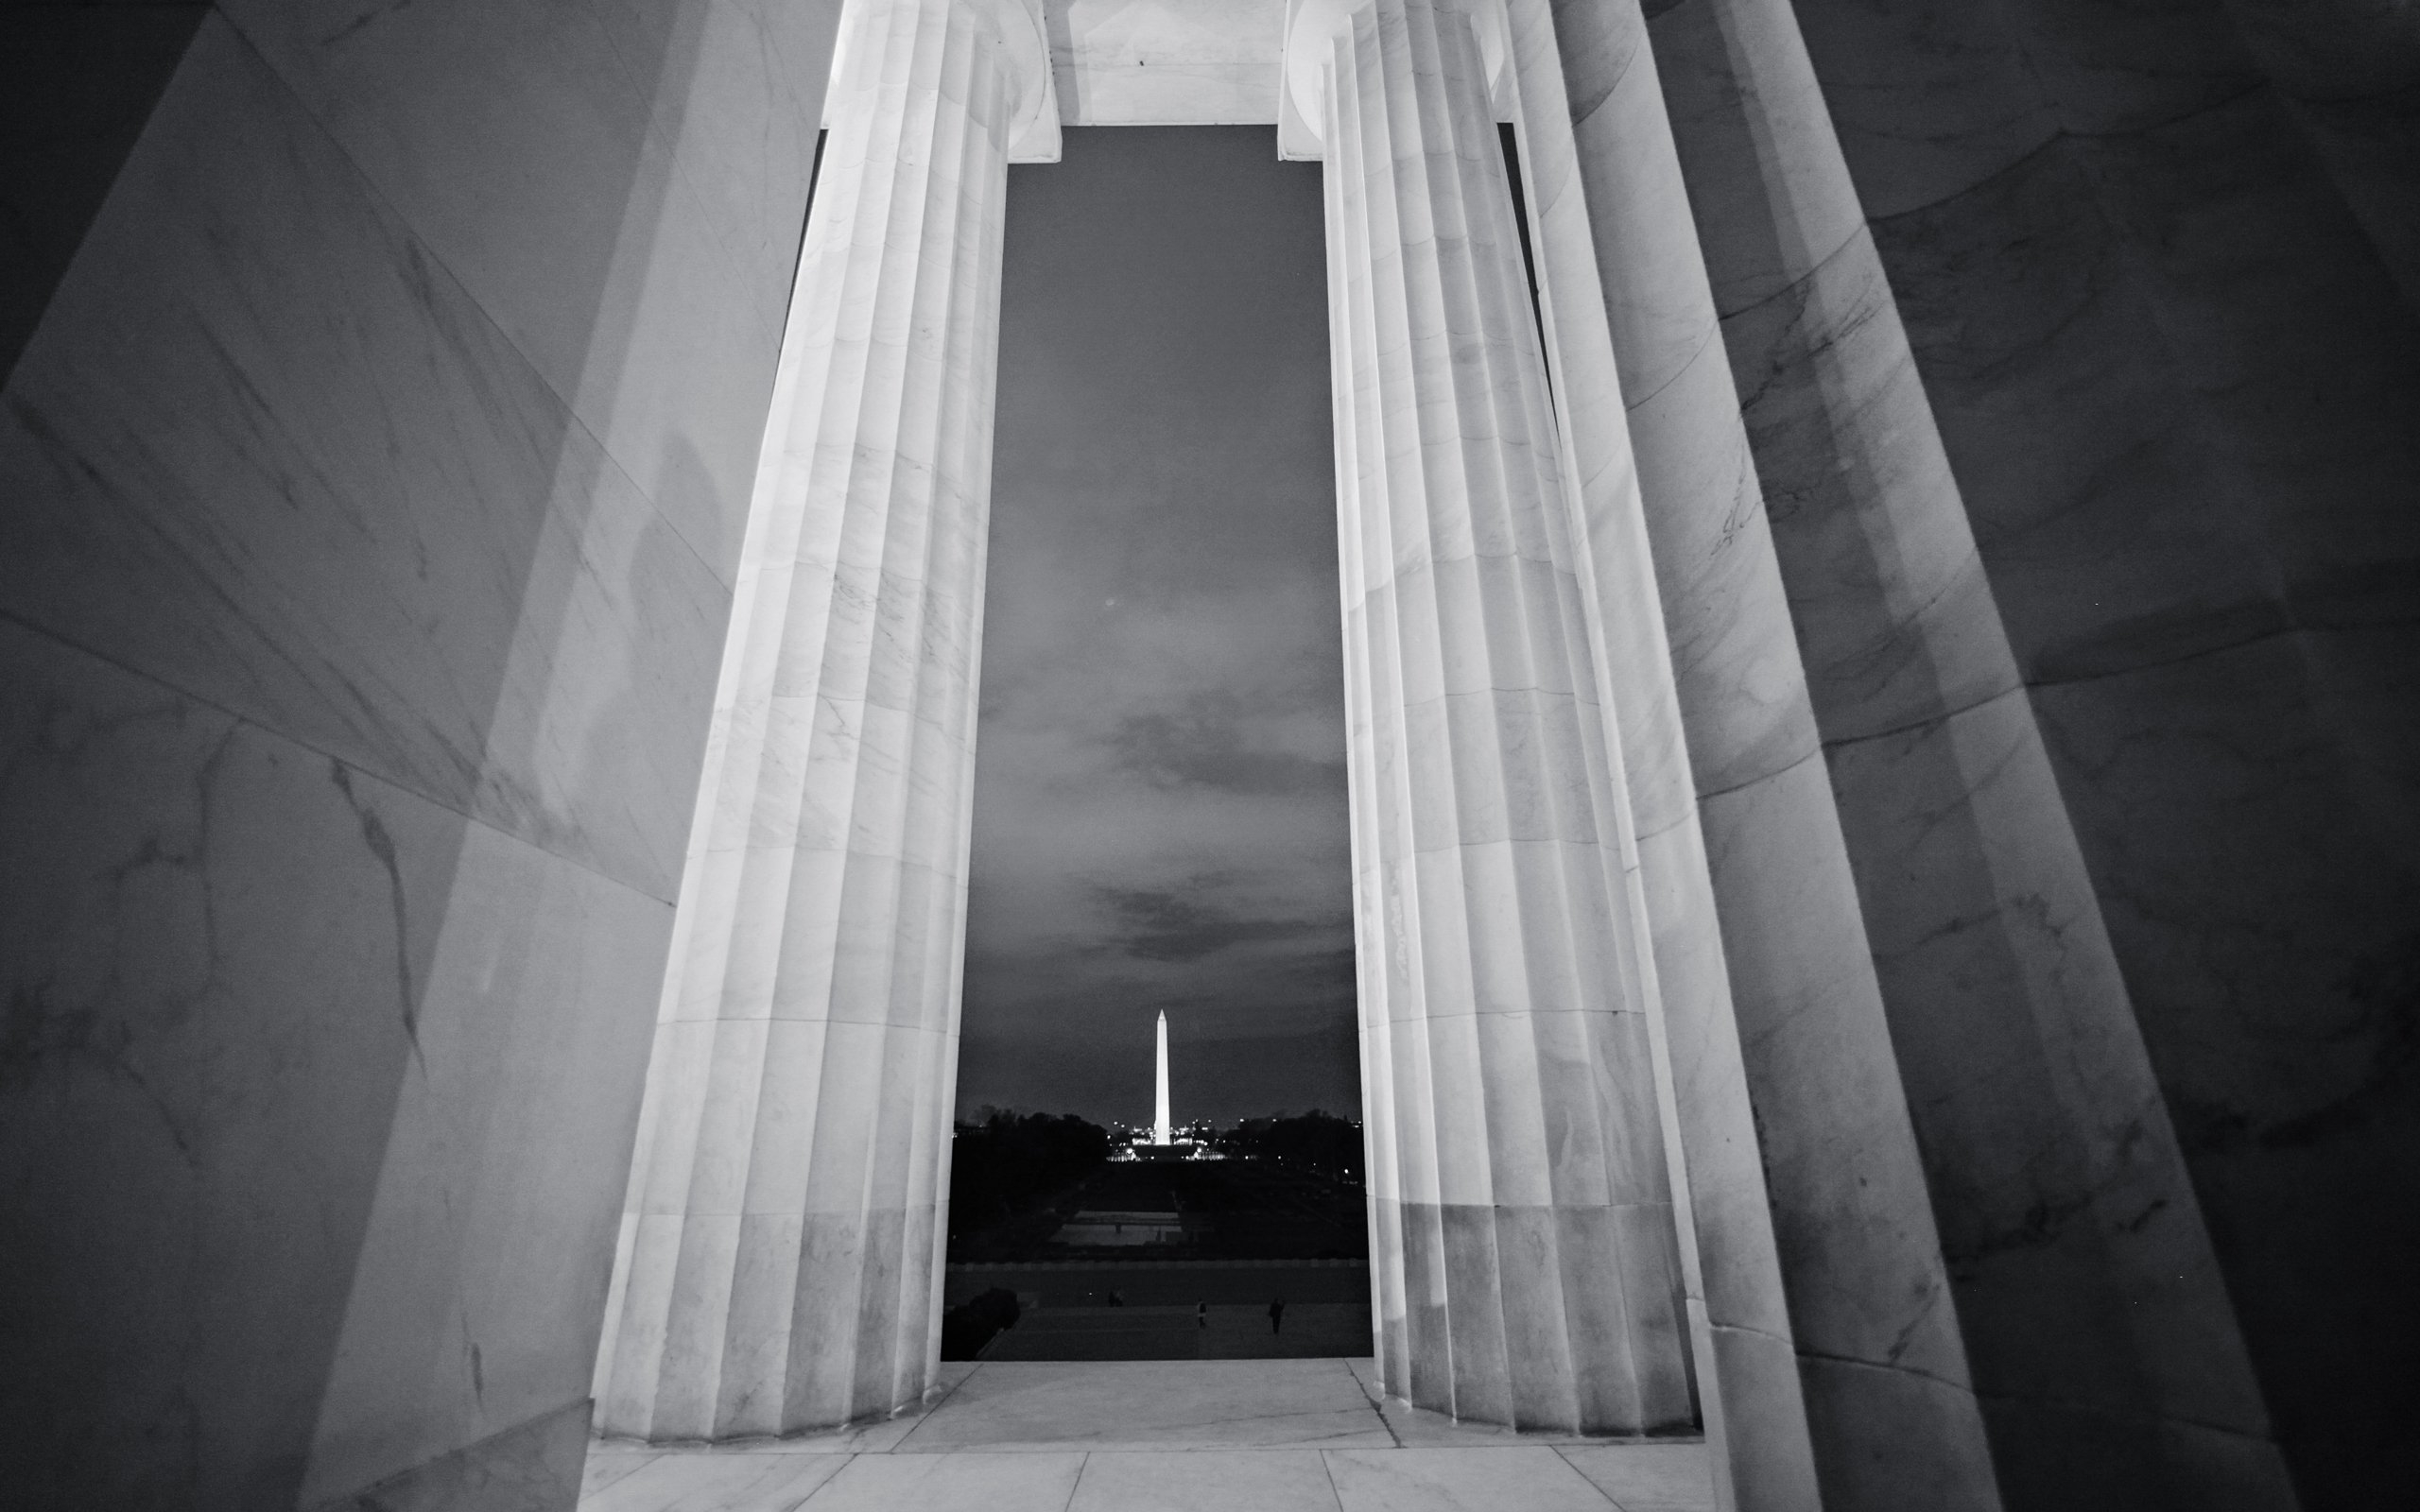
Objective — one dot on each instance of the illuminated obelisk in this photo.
(1161, 1135)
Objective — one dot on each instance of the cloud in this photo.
(1187, 925)
(1160, 795)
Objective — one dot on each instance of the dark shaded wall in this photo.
(384, 391)
(2162, 336)
(79, 81)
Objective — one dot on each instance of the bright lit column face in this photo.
(1524, 1262)
(780, 1262)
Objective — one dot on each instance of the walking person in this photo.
(1276, 1314)
(1201, 1314)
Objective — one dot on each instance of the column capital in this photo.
(1312, 25)
(1017, 28)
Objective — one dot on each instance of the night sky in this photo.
(1159, 800)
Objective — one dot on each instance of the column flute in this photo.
(780, 1253)
(1523, 1262)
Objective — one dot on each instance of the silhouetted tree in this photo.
(1008, 1162)
(968, 1325)
(1315, 1141)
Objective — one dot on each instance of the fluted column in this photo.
(780, 1251)
(1524, 1260)
(1840, 1377)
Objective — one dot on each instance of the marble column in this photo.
(1749, 1390)
(780, 1252)
(1841, 1373)
(1524, 1258)
(2096, 1323)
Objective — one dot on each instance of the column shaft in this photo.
(1525, 1259)
(781, 1250)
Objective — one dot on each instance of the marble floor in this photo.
(1187, 1435)
(1313, 1331)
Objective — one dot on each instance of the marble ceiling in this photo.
(1166, 62)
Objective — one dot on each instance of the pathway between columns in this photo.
(1269, 1435)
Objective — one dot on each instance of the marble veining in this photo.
(2162, 348)
(292, 529)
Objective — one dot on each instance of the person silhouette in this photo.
(1201, 1314)
(1276, 1314)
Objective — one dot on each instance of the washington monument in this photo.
(1160, 1133)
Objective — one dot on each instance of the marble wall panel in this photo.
(2290, 337)
(2110, 71)
(534, 1467)
(2089, 1292)
(158, 979)
(2174, 378)
(2256, 878)
(1930, 98)
(1996, 976)
(2352, 70)
(235, 1104)
(620, 187)
(269, 451)
(76, 86)
(504, 1155)
(2024, 318)
(356, 684)
(1926, 99)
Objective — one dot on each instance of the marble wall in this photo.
(2096, 1324)
(376, 471)
(76, 84)
(2349, 72)
(2158, 318)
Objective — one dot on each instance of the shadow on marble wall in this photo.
(376, 471)
(2179, 389)
(2350, 70)
(77, 83)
